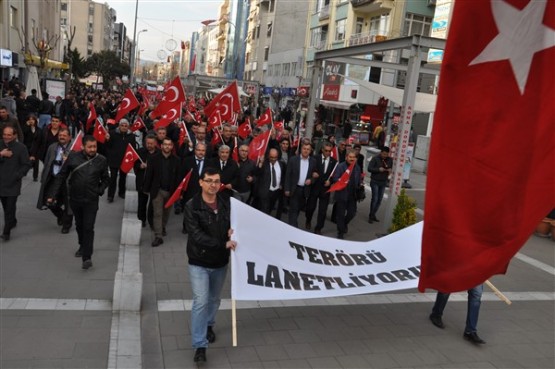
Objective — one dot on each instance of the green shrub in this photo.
(404, 213)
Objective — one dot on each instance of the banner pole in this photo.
(498, 293)
(234, 322)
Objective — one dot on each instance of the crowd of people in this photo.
(291, 178)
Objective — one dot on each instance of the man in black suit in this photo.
(300, 174)
(325, 165)
(162, 177)
(144, 209)
(227, 168)
(196, 163)
(269, 183)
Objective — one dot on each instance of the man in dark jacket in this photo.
(269, 184)
(227, 168)
(7, 120)
(207, 216)
(196, 163)
(345, 199)
(298, 179)
(162, 177)
(116, 145)
(87, 176)
(319, 195)
(144, 209)
(56, 154)
(14, 165)
(379, 169)
(245, 175)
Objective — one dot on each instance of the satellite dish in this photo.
(161, 54)
(171, 44)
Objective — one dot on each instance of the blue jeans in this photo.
(207, 286)
(473, 309)
(378, 190)
(44, 120)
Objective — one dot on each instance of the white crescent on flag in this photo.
(125, 103)
(90, 115)
(261, 144)
(128, 156)
(176, 94)
(171, 114)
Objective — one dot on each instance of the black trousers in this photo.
(269, 203)
(144, 209)
(9, 206)
(85, 217)
(345, 212)
(61, 208)
(114, 181)
(297, 201)
(322, 200)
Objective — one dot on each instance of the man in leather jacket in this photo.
(207, 218)
(87, 176)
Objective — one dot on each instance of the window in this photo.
(286, 69)
(340, 30)
(266, 53)
(63, 21)
(278, 70)
(270, 70)
(417, 25)
(294, 68)
(358, 25)
(257, 31)
(90, 39)
(379, 25)
(64, 7)
(271, 6)
(13, 17)
(269, 31)
(319, 37)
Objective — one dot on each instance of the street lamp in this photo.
(135, 53)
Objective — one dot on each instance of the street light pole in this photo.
(135, 53)
(132, 53)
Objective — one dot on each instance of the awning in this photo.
(49, 63)
(425, 103)
(218, 90)
(336, 104)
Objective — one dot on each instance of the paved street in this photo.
(55, 315)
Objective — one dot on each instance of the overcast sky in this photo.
(165, 20)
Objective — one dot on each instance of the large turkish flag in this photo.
(492, 159)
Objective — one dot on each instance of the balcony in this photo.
(324, 12)
(365, 38)
(370, 6)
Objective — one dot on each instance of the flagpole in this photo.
(234, 322)
(498, 293)
(333, 171)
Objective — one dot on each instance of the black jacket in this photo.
(140, 172)
(207, 232)
(153, 174)
(116, 146)
(246, 168)
(374, 168)
(87, 183)
(13, 169)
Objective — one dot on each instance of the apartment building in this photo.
(95, 24)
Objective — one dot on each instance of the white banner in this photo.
(274, 261)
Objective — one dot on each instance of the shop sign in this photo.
(331, 92)
(6, 58)
(333, 73)
(302, 91)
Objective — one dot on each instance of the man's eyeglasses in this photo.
(212, 181)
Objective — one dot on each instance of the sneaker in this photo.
(78, 253)
(86, 264)
(5, 237)
(200, 355)
(210, 335)
(65, 230)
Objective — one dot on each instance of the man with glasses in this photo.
(319, 194)
(197, 163)
(162, 177)
(207, 217)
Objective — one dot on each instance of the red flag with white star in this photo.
(77, 144)
(258, 145)
(183, 133)
(179, 190)
(91, 118)
(128, 103)
(227, 102)
(215, 120)
(129, 159)
(137, 125)
(169, 116)
(343, 180)
(265, 118)
(173, 95)
(245, 129)
(335, 153)
(99, 132)
(216, 137)
(491, 173)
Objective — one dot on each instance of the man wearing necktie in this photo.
(301, 171)
(56, 154)
(197, 163)
(269, 184)
(227, 168)
(319, 194)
